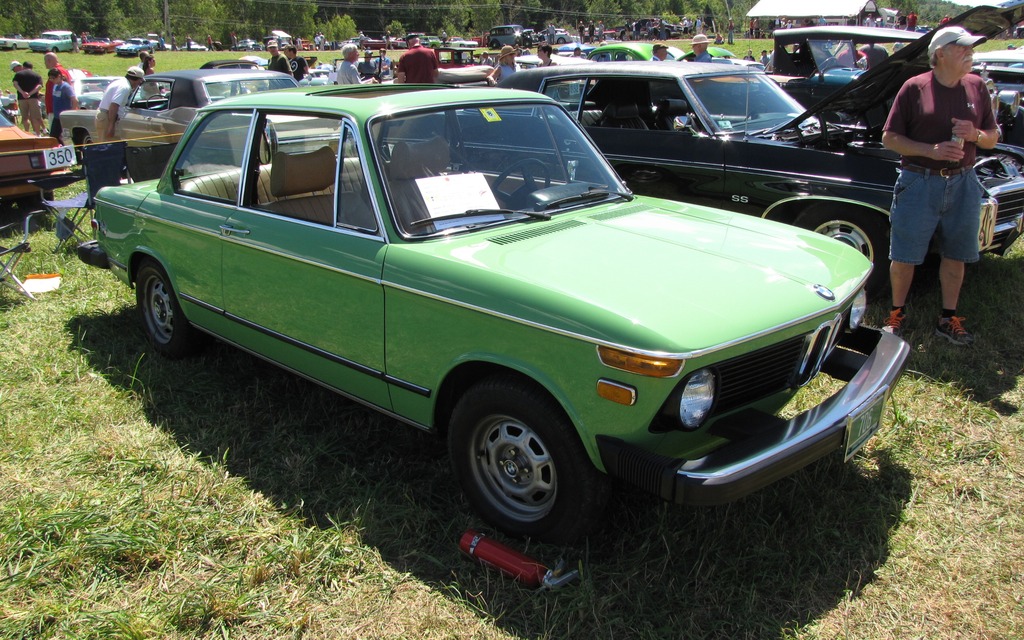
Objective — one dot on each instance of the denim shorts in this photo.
(931, 205)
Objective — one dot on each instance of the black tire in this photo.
(163, 320)
(521, 464)
(865, 231)
(494, 44)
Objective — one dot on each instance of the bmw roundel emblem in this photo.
(824, 292)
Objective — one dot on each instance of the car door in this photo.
(303, 255)
(199, 195)
(634, 122)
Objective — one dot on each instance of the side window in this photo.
(297, 166)
(210, 166)
(567, 93)
(354, 209)
(151, 96)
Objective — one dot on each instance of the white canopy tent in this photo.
(811, 8)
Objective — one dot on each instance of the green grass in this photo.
(222, 497)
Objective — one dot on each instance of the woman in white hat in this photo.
(505, 66)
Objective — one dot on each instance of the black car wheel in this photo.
(166, 326)
(863, 230)
(521, 463)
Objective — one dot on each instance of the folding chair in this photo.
(11, 256)
(102, 165)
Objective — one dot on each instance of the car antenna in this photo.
(746, 107)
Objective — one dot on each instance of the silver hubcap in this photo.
(850, 234)
(513, 466)
(159, 310)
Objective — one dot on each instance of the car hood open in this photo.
(639, 275)
(878, 86)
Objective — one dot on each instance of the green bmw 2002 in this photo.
(467, 262)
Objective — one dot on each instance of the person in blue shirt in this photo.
(700, 48)
(64, 98)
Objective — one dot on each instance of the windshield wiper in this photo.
(471, 213)
(591, 193)
(540, 215)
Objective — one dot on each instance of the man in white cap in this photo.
(114, 98)
(700, 48)
(937, 122)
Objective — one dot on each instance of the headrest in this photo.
(295, 173)
(629, 110)
(419, 159)
(673, 107)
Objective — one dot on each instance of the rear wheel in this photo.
(863, 230)
(521, 464)
(163, 320)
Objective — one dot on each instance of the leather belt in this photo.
(945, 173)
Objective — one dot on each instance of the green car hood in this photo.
(650, 275)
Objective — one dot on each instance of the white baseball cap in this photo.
(15, 64)
(953, 35)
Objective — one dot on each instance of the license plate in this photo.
(863, 424)
(59, 157)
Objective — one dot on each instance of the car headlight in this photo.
(697, 398)
(859, 308)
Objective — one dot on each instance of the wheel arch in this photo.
(466, 374)
(788, 210)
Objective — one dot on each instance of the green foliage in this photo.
(340, 28)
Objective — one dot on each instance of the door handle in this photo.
(228, 230)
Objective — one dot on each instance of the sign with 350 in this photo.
(59, 157)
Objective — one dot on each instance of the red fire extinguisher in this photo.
(522, 568)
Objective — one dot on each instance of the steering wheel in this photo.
(529, 178)
(828, 63)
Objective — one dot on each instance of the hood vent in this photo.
(618, 213)
(536, 232)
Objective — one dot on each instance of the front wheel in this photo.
(163, 320)
(865, 231)
(522, 465)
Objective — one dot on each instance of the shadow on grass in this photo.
(774, 561)
(991, 367)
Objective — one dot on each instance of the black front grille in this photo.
(758, 374)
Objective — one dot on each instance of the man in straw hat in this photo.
(700, 48)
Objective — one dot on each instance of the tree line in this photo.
(343, 19)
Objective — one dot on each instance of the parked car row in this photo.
(731, 137)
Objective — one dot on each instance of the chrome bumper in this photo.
(869, 360)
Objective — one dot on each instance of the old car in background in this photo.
(247, 45)
(26, 156)
(89, 90)
(133, 46)
(622, 51)
(813, 62)
(100, 45)
(240, 63)
(507, 34)
(468, 263)
(730, 137)
(160, 109)
(14, 42)
(52, 41)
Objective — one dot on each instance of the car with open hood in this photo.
(467, 262)
(813, 62)
(731, 137)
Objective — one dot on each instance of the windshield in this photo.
(833, 54)
(749, 102)
(231, 88)
(462, 168)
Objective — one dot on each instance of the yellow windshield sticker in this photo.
(490, 115)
